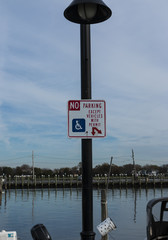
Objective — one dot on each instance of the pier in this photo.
(20, 182)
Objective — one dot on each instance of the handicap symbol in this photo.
(78, 125)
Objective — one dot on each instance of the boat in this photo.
(157, 219)
(8, 235)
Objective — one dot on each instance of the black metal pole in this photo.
(87, 190)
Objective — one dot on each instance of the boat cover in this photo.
(157, 219)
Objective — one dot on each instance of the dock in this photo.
(20, 182)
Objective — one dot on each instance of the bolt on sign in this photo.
(86, 118)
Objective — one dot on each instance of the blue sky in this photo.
(40, 72)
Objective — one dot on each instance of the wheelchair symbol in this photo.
(78, 125)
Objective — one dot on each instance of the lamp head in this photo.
(87, 11)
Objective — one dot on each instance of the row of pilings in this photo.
(19, 182)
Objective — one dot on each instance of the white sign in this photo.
(86, 118)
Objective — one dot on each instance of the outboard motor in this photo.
(39, 232)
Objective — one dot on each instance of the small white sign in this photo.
(86, 118)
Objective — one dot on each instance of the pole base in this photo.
(87, 235)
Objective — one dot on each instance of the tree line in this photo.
(99, 170)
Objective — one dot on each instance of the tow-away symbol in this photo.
(94, 130)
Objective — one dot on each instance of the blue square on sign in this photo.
(78, 125)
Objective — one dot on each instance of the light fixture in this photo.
(87, 11)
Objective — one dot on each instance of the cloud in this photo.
(40, 72)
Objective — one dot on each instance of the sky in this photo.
(40, 73)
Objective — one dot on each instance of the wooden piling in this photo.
(15, 181)
(63, 182)
(48, 180)
(161, 180)
(120, 181)
(104, 213)
(1, 185)
(9, 184)
(22, 182)
(28, 182)
(140, 181)
(126, 181)
(146, 181)
(153, 180)
(71, 181)
(34, 181)
(56, 181)
(5, 183)
(133, 180)
(98, 181)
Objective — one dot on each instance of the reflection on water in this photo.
(60, 211)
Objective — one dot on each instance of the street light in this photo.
(86, 12)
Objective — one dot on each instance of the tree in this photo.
(8, 171)
(115, 169)
(65, 171)
(164, 168)
(75, 170)
(47, 171)
(102, 169)
(97, 170)
(18, 171)
(26, 169)
(127, 169)
(38, 172)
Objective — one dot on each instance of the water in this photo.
(60, 211)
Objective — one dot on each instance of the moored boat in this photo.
(8, 235)
(157, 219)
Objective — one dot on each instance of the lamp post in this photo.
(86, 12)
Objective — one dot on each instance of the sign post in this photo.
(86, 118)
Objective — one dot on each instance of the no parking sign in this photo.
(86, 118)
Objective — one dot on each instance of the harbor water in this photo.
(60, 211)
